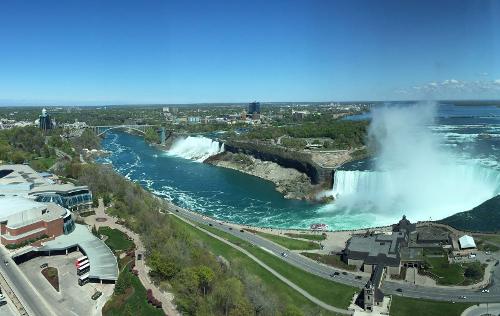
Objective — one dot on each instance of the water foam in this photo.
(197, 148)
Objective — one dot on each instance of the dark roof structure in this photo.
(404, 225)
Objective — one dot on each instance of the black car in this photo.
(96, 295)
(230, 228)
(399, 290)
(344, 273)
(242, 231)
(496, 263)
(334, 274)
(358, 277)
(210, 224)
(139, 256)
(44, 265)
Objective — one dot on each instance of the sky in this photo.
(126, 52)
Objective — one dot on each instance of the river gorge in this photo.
(465, 151)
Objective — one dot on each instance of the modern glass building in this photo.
(44, 121)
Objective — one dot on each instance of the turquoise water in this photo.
(229, 195)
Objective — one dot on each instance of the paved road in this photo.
(388, 287)
(31, 301)
(279, 276)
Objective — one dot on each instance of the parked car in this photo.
(358, 277)
(139, 256)
(485, 291)
(96, 295)
(399, 290)
(344, 273)
(242, 231)
(210, 224)
(44, 265)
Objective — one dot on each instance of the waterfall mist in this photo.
(413, 173)
(196, 148)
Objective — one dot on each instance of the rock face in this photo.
(292, 183)
(284, 157)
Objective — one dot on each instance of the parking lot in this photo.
(71, 299)
(7, 308)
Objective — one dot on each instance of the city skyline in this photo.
(92, 53)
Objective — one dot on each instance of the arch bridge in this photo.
(100, 130)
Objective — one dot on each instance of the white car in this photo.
(284, 254)
(485, 291)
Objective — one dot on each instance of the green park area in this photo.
(307, 236)
(290, 243)
(331, 260)
(446, 273)
(129, 296)
(116, 239)
(402, 306)
(330, 292)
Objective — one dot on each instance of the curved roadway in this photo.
(388, 287)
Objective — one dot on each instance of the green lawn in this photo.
(117, 240)
(402, 306)
(290, 243)
(332, 260)
(42, 164)
(286, 294)
(307, 236)
(448, 274)
(132, 302)
(330, 292)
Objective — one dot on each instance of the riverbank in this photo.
(290, 182)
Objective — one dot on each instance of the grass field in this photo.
(402, 306)
(132, 302)
(448, 274)
(117, 240)
(330, 292)
(307, 236)
(290, 243)
(285, 293)
(332, 260)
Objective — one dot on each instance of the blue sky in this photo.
(108, 52)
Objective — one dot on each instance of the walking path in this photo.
(482, 309)
(166, 298)
(275, 273)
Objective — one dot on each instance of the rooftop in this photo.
(103, 263)
(20, 211)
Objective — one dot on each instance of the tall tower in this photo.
(44, 121)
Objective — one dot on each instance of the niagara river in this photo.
(462, 142)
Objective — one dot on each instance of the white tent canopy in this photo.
(466, 242)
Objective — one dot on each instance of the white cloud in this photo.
(454, 88)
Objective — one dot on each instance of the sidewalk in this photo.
(166, 298)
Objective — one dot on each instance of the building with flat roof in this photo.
(22, 219)
(22, 180)
(366, 252)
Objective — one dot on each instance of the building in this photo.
(253, 108)
(22, 180)
(372, 296)
(44, 121)
(466, 242)
(22, 219)
(368, 251)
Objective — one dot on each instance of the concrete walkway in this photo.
(275, 273)
(166, 298)
(482, 309)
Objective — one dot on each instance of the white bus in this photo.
(83, 269)
(82, 263)
(84, 279)
(80, 260)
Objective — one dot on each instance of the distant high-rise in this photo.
(45, 122)
(254, 108)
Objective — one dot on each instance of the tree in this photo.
(474, 271)
(205, 278)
